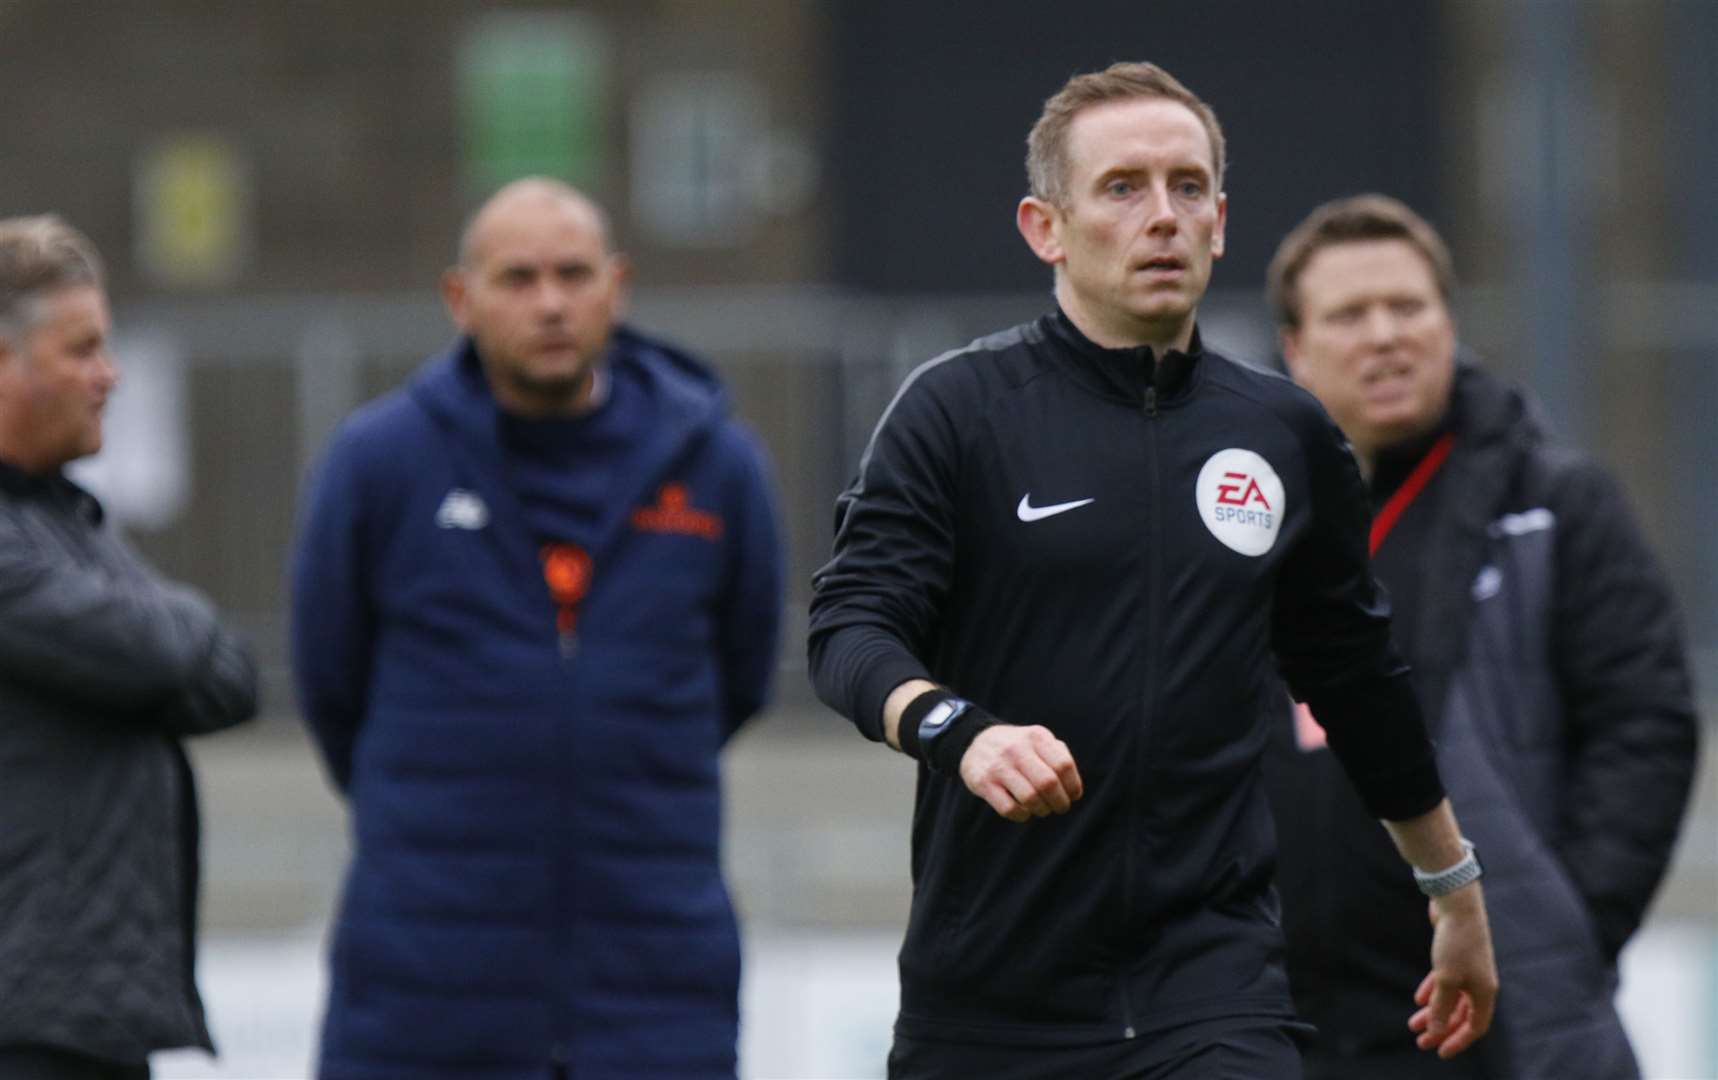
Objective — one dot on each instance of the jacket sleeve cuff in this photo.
(876, 686)
(1378, 733)
(854, 668)
(1401, 795)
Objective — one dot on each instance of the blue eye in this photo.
(1119, 187)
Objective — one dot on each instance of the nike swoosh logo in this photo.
(1028, 512)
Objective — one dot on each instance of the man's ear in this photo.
(621, 267)
(11, 359)
(1041, 226)
(453, 295)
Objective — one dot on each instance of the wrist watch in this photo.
(1446, 881)
(937, 721)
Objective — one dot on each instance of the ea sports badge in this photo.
(1240, 500)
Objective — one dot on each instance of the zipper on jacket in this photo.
(562, 915)
(1136, 767)
(567, 571)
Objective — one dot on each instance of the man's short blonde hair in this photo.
(1047, 144)
(38, 256)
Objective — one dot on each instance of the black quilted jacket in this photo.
(102, 665)
(1548, 652)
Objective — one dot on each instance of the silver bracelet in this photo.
(1446, 881)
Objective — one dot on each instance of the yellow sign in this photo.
(193, 210)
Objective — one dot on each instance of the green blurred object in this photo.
(532, 96)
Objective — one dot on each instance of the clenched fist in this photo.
(1022, 772)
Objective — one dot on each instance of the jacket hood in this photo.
(684, 403)
(451, 386)
(1485, 409)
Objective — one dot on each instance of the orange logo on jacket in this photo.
(567, 572)
(673, 513)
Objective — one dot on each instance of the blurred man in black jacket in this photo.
(103, 667)
(1545, 646)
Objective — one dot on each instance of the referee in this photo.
(1075, 558)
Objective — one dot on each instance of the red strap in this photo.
(1409, 491)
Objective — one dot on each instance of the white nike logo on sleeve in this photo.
(1028, 512)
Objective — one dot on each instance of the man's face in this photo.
(539, 292)
(1142, 220)
(55, 383)
(1375, 342)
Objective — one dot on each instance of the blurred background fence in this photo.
(818, 195)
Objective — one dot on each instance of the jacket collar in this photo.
(1494, 428)
(690, 397)
(1393, 463)
(49, 486)
(1482, 412)
(684, 401)
(1126, 373)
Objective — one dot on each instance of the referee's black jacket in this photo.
(1113, 545)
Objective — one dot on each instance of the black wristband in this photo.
(941, 747)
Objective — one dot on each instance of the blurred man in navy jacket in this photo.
(534, 593)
